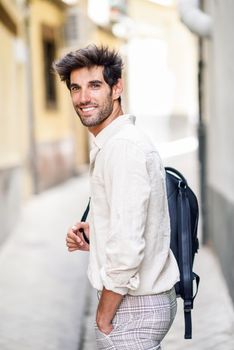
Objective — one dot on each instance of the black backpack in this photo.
(183, 210)
(184, 213)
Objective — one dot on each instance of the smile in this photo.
(88, 109)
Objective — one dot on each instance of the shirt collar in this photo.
(112, 129)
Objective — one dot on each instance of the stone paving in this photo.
(43, 288)
(213, 314)
(46, 302)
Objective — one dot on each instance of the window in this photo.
(7, 20)
(49, 55)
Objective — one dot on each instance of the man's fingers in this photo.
(74, 228)
(72, 244)
(72, 249)
(71, 236)
(77, 246)
(82, 224)
(70, 240)
(75, 239)
(79, 225)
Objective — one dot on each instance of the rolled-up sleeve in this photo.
(127, 187)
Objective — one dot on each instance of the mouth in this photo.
(87, 109)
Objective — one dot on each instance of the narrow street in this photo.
(46, 302)
(178, 80)
(212, 317)
(43, 288)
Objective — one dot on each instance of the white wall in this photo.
(219, 107)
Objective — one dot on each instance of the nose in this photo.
(84, 96)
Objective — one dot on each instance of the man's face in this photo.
(91, 95)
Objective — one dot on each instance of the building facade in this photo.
(42, 142)
(218, 105)
(13, 111)
(212, 22)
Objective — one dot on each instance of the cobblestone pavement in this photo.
(213, 315)
(46, 302)
(42, 286)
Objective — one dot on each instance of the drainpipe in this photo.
(202, 151)
(200, 24)
(31, 117)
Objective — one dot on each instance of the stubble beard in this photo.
(97, 119)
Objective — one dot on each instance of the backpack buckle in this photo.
(182, 184)
(188, 305)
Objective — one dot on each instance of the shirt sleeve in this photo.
(127, 188)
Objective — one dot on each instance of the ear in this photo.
(117, 89)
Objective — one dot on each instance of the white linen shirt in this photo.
(129, 218)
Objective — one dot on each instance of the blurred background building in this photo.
(212, 22)
(170, 75)
(38, 139)
(41, 141)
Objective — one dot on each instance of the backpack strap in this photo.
(84, 216)
(188, 306)
(197, 279)
(185, 256)
(174, 172)
(83, 219)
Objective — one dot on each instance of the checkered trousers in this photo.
(140, 323)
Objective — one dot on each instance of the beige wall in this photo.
(217, 95)
(12, 101)
(218, 98)
(61, 142)
(51, 124)
(60, 123)
(14, 139)
(13, 124)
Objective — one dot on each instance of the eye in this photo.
(74, 88)
(95, 85)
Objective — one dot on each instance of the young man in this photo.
(131, 263)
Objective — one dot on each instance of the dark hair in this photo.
(90, 56)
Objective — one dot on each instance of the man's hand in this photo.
(107, 307)
(75, 239)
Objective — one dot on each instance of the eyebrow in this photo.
(95, 82)
(90, 82)
(74, 84)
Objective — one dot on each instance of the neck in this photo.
(117, 111)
